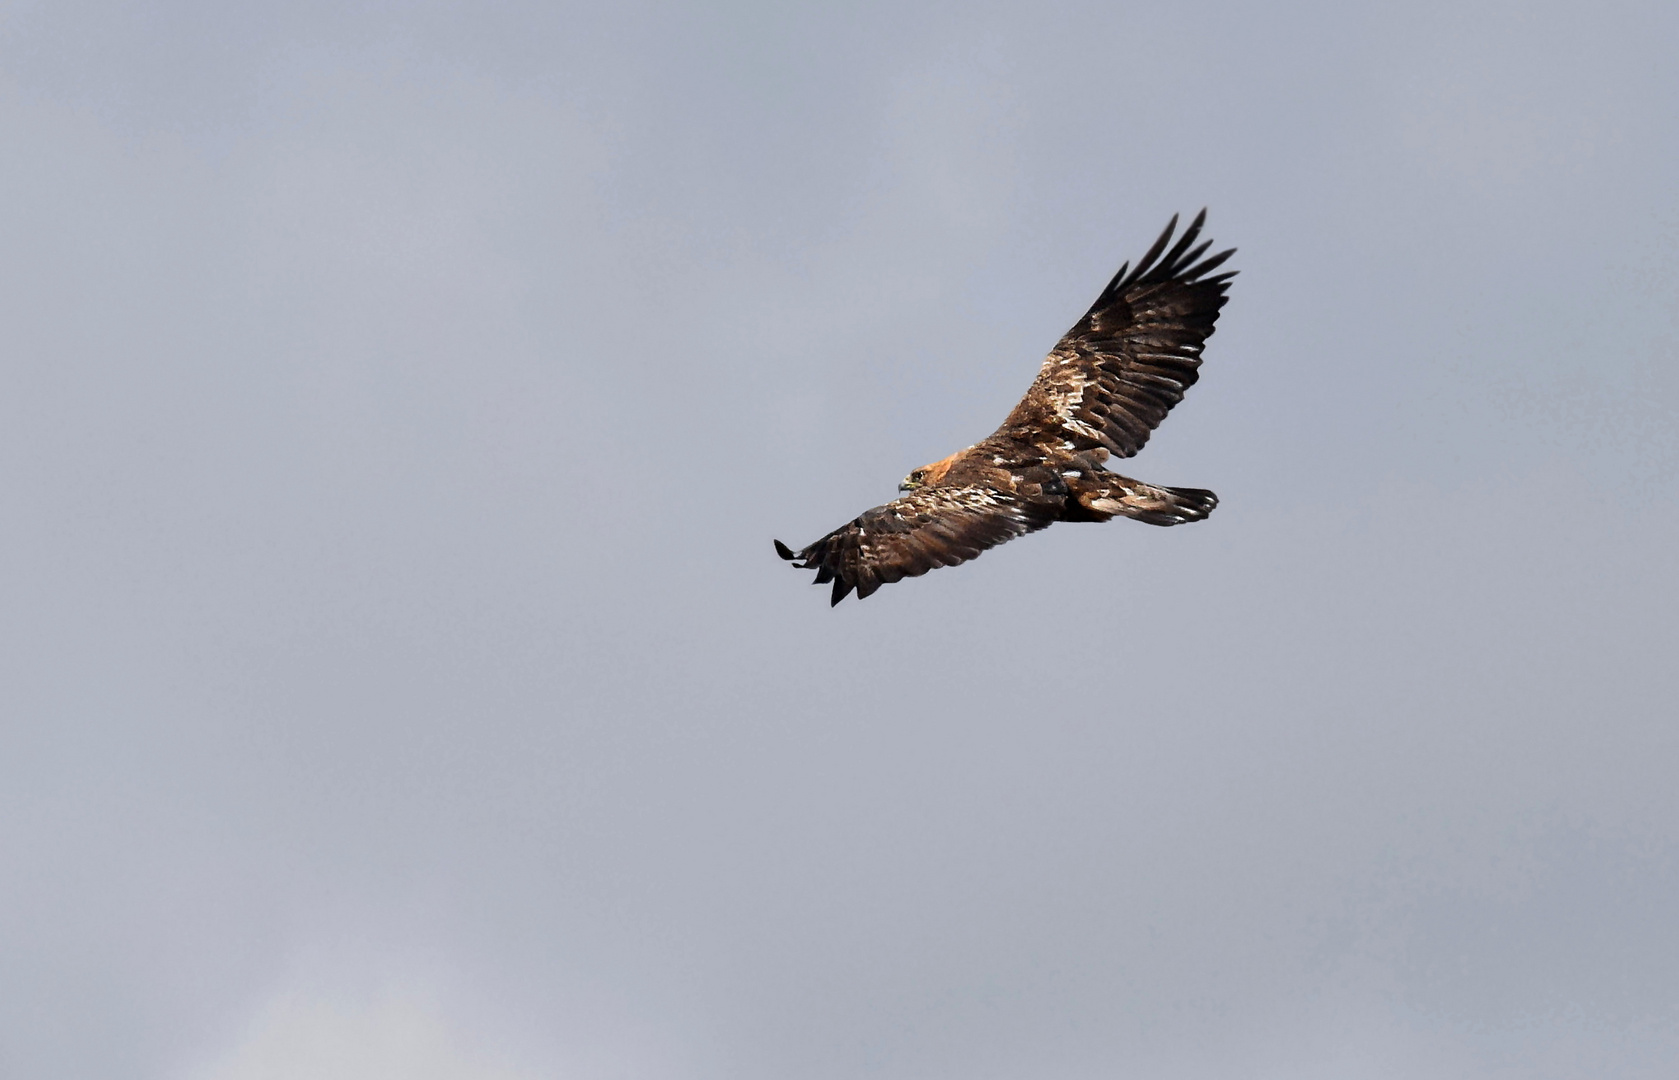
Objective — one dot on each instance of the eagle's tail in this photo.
(1100, 500)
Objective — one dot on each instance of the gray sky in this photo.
(396, 679)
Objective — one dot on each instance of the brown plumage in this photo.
(1105, 386)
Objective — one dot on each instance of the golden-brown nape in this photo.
(935, 472)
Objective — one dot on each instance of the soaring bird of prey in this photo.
(1105, 386)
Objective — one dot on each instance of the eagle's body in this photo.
(1101, 391)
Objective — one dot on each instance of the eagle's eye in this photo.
(919, 474)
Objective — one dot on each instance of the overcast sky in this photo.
(397, 402)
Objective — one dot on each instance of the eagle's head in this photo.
(927, 474)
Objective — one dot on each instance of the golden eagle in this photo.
(1107, 383)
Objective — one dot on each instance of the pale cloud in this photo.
(392, 1031)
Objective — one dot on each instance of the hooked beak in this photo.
(907, 485)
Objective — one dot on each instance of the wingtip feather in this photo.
(1146, 263)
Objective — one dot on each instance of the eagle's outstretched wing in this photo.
(929, 527)
(1122, 367)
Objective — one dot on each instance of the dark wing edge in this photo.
(907, 537)
(1115, 375)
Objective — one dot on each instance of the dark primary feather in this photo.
(1113, 377)
(929, 527)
